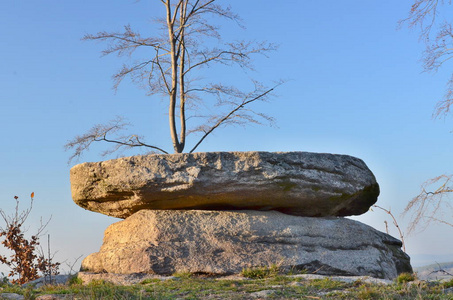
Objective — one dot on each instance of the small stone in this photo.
(55, 297)
(296, 283)
(345, 279)
(11, 296)
(54, 280)
(262, 294)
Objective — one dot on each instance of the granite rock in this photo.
(163, 242)
(296, 183)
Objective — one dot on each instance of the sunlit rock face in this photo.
(295, 183)
(224, 242)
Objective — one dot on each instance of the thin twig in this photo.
(229, 115)
(394, 223)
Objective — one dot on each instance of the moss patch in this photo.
(287, 185)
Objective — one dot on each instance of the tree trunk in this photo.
(182, 91)
(174, 80)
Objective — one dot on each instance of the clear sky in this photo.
(354, 86)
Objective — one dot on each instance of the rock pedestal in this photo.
(224, 242)
(217, 213)
(295, 183)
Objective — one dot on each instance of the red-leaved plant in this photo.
(26, 261)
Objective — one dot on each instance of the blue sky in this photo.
(354, 86)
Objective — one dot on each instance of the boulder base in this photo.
(163, 242)
(296, 183)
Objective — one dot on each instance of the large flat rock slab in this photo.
(296, 183)
(163, 242)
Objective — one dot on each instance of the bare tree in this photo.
(436, 33)
(172, 69)
(433, 202)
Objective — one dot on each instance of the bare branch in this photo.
(388, 211)
(439, 43)
(238, 53)
(124, 43)
(129, 141)
(233, 113)
(433, 205)
(99, 133)
(423, 14)
(440, 270)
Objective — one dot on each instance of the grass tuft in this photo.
(74, 280)
(261, 272)
(182, 275)
(405, 277)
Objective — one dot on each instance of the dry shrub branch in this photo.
(432, 204)
(389, 212)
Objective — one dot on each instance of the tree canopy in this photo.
(189, 41)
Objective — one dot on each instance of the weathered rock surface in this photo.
(55, 280)
(224, 242)
(296, 183)
(11, 296)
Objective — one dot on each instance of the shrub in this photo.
(25, 262)
(405, 277)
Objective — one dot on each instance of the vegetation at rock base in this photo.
(277, 287)
(259, 273)
(405, 277)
